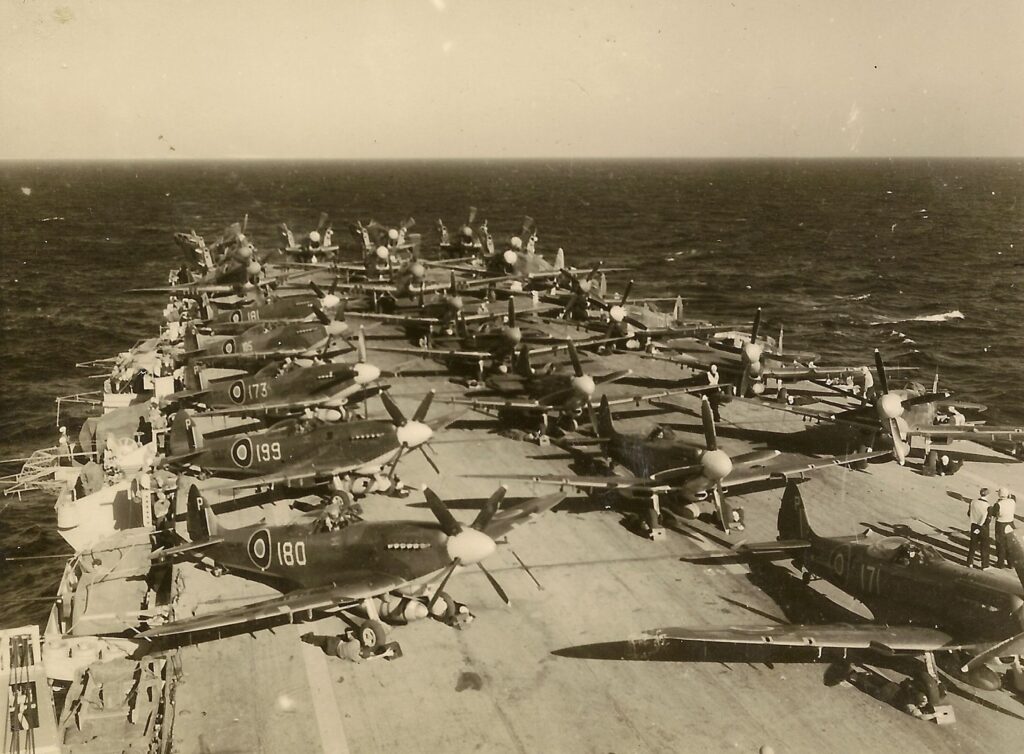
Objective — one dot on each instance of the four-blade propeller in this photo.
(466, 546)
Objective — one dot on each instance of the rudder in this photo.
(792, 520)
(605, 427)
(200, 521)
(183, 437)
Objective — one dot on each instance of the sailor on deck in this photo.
(1006, 508)
(715, 395)
(980, 521)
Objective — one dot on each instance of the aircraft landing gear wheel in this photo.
(805, 577)
(446, 613)
(372, 634)
(450, 607)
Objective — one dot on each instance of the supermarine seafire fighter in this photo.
(264, 431)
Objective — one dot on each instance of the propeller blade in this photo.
(1012, 646)
(756, 326)
(610, 332)
(472, 216)
(926, 398)
(440, 587)
(708, 418)
(743, 378)
(361, 345)
(569, 304)
(393, 410)
(592, 416)
(892, 428)
(423, 450)
(489, 509)
(317, 290)
(1015, 554)
(720, 507)
(625, 293)
(574, 357)
(423, 408)
(883, 381)
(495, 584)
(394, 464)
(444, 517)
(322, 224)
(320, 315)
(511, 312)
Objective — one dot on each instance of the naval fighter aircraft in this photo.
(648, 467)
(352, 456)
(279, 388)
(922, 603)
(380, 570)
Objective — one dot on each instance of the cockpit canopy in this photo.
(661, 433)
(903, 551)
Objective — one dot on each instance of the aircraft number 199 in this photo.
(267, 451)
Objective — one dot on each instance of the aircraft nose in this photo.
(470, 546)
(889, 406)
(617, 313)
(510, 258)
(336, 327)
(584, 385)
(753, 352)
(330, 301)
(456, 303)
(366, 373)
(414, 434)
(418, 271)
(717, 464)
(513, 335)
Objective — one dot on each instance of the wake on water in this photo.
(944, 317)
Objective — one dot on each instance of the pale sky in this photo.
(510, 78)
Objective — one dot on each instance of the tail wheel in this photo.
(373, 634)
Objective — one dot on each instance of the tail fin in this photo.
(559, 259)
(191, 340)
(522, 366)
(193, 380)
(677, 310)
(460, 325)
(605, 427)
(792, 516)
(289, 237)
(201, 522)
(183, 437)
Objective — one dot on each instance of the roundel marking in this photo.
(241, 453)
(258, 549)
(237, 392)
(236, 316)
(229, 346)
(839, 562)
